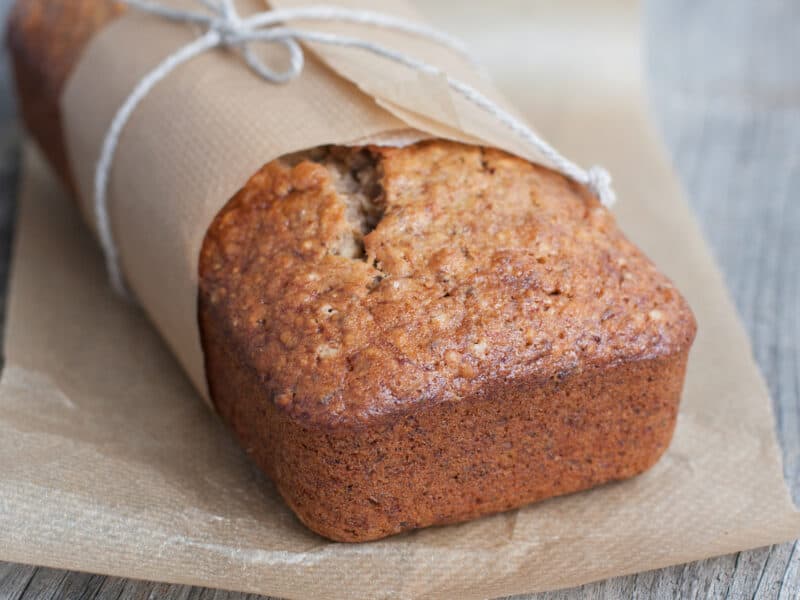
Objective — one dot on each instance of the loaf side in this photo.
(509, 445)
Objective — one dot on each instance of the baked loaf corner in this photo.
(404, 337)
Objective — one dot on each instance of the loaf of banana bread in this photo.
(403, 337)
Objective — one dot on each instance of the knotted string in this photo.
(225, 28)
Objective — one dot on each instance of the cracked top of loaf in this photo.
(359, 282)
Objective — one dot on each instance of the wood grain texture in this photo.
(725, 87)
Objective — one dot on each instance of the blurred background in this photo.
(722, 83)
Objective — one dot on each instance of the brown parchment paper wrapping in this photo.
(109, 463)
(212, 123)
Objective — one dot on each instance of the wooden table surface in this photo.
(724, 81)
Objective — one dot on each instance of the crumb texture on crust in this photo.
(357, 282)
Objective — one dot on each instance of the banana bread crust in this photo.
(471, 266)
(417, 336)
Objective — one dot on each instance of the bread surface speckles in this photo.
(362, 281)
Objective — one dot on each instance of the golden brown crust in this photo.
(482, 268)
(407, 337)
(511, 444)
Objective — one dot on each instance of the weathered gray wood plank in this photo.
(14, 580)
(725, 84)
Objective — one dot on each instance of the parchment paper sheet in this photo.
(110, 463)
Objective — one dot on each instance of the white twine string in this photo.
(224, 27)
